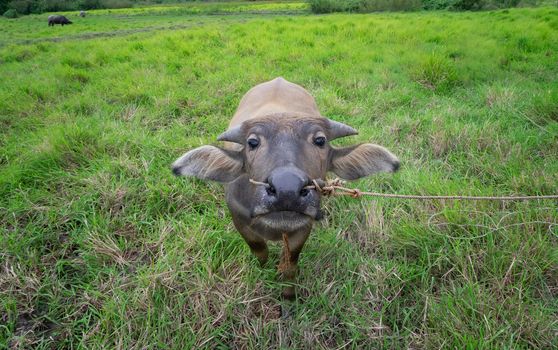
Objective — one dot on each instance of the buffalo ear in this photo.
(354, 162)
(209, 163)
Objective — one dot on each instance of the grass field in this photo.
(101, 247)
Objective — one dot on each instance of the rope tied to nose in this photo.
(328, 188)
(334, 187)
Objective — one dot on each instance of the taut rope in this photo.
(334, 188)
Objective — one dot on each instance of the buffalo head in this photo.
(286, 152)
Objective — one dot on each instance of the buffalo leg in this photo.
(259, 249)
(288, 267)
(257, 246)
(256, 243)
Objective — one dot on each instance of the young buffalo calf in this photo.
(278, 137)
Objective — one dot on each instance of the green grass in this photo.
(116, 22)
(101, 247)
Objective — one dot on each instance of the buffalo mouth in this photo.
(283, 215)
(284, 220)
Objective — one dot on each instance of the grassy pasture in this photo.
(101, 247)
(125, 21)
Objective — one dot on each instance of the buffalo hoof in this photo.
(289, 293)
(286, 313)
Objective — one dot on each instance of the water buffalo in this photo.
(82, 13)
(58, 19)
(278, 137)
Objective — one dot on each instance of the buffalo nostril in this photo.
(304, 192)
(271, 190)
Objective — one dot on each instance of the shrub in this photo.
(388, 5)
(116, 4)
(90, 4)
(468, 5)
(438, 4)
(59, 5)
(4, 5)
(11, 13)
(509, 3)
(104, 4)
(328, 6)
(26, 7)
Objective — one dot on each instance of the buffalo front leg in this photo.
(288, 267)
(259, 249)
(257, 245)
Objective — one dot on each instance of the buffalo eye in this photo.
(253, 142)
(320, 141)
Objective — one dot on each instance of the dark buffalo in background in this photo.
(58, 19)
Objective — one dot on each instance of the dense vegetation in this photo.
(102, 247)
(25, 7)
(328, 6)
